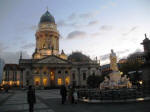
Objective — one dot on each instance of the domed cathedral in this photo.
(49, 67)
(47, 38)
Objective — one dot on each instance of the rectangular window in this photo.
(93, 73)
(15, 75)
(73, 76)
(7, 75)
(84, 76)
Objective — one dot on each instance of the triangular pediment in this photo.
(53, 59)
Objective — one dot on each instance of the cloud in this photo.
(106, 27)
(130, 31)
(3, 47)
(62, 23)
(72, 16)
(76, 34)
(123, 51)
(28, 46)
(88, 15)
(109, 4)
(33, 27)
(96, 34)
(13, 57)
(91, 23)
(104, 57)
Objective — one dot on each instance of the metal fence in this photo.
(118, 94)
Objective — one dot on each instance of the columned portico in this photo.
(48, 67)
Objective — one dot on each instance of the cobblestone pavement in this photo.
(4, 96)
(49, 101)
(18, 103)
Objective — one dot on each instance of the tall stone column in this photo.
(41, 74)
(63, 78)
(89, 73)
(21, 78)
(79, 78)
(49, 80)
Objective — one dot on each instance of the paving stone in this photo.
(18, 102)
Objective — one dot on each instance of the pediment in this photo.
(53, 59)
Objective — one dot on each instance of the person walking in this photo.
(75, 95)
(31, 98)
(63, 93)
(71, 94)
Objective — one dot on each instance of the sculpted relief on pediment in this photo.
(52, 60)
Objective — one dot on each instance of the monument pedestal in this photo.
(115, 76)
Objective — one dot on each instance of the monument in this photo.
(115, 79)
(146, 66)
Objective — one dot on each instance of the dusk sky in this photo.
(93, 27)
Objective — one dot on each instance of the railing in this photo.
(120, 94)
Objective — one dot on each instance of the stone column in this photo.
(41, 73)
(49, 80)
(21, 78)
(79, 80)
(89, 72)
(63, 78)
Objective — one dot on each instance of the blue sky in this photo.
(91, 26)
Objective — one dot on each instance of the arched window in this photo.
(67, 80)
(59, 81)
(59, 71)
(66, 72)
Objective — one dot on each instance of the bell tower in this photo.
(47, 37)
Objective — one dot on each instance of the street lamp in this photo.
(140, 82)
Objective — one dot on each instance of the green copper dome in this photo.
(78, 57)
(47, 17)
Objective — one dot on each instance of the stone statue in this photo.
(115, 80)
(113, 61)
(106, 79)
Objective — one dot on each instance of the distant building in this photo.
(122, 61)
(136, 57)
(2, 63)
(105, 69)
(12, 75)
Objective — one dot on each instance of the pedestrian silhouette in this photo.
(71, 94)
(31, 98)
(63, 93)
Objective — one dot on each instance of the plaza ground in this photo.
(49, 101)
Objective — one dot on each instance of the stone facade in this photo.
(2, 63)
(12, 75)
(48, 67)
(55, 71)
